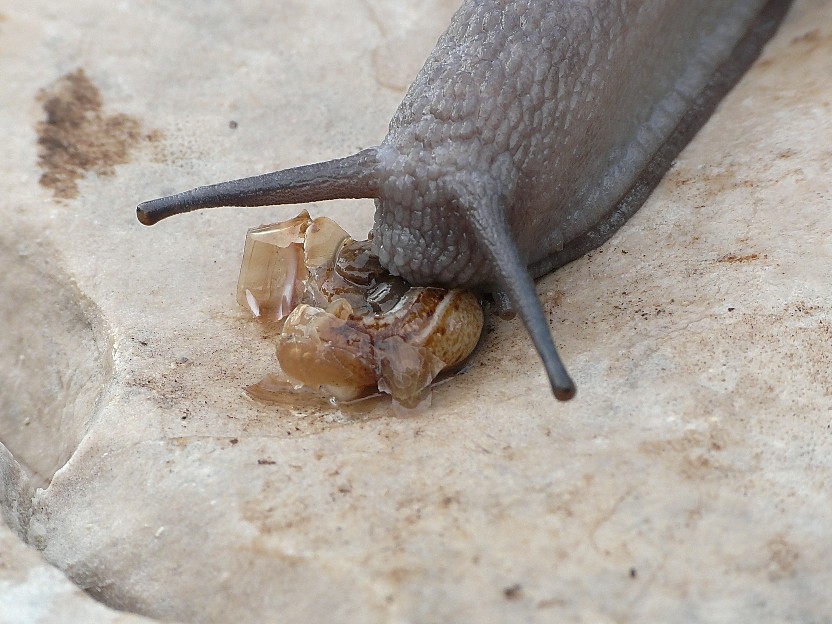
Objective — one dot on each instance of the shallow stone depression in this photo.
(54, 365)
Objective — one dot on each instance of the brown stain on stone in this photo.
(737, 259)
(78, 137)
(783, 558)
(811, 38)
(695, 455)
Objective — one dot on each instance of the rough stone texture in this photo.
(687, 482)
(32, 591)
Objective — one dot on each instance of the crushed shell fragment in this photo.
(350, 328)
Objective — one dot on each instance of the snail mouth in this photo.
(347, 328)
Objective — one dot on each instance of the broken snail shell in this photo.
(350, 328)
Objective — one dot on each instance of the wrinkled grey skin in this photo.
(535, 128)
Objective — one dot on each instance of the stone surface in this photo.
(687, 482)
(32, 591)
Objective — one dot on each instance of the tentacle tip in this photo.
(143, 215)
(562, 385)
(154, 210)
(564, 393)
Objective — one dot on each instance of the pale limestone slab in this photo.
(32, 591)
(687, 482)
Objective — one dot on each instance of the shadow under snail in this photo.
(531, 134)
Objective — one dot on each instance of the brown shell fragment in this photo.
(406, 369)
(318, 349)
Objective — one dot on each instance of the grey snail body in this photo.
(533, 131)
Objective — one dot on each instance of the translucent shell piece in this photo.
(351, 329)
(274, 271)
